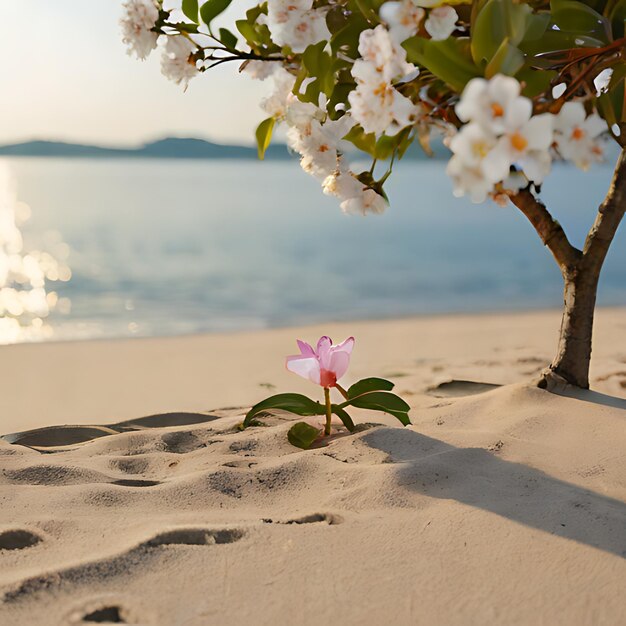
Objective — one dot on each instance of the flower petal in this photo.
(323, 351)
(305, 366)
(346, 345)
(339, 362)
(305, 348)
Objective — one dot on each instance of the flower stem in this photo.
(342, 391)
(329, 411)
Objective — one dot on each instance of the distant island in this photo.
(168, 148)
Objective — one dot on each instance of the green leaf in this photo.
(247, 30)
(292, 402)
(368, 12)
(228, 39)
(498, 21)
(264, 135)
(450, 59)
(343, 416)
(320, 66)
(617, 14)
(507, 60)
(366, 385)
(382, 401)
(535, 82)
(184, 27)
(302, 435)
(576, 17)
(190, 9)
(211, 9)
(362, 140)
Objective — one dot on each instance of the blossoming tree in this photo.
(510, 85)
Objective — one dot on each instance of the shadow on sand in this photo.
(594, 397)
(520, 493)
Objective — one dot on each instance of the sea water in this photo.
(166, 247)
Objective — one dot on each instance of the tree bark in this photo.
(581, 273)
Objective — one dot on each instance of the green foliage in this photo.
(319, 66)
(366, 385)
(211, 9)
(382, 401)
(228, 39)
(264, 136)
(449, 60)
(343, 416)
(292, 402)
(579, 19)
(190, 9)
(302, 435)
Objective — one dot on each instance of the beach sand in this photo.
(134, 498)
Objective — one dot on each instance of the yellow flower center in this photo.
(481, 149)
(578, 133)
(497, 110)
(518, 141)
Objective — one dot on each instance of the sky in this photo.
(65, 75)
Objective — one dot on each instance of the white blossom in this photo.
(403, 18)
(471, 145)
(140, 16)
(368, 201)
(376, 104)
(275, 105)
(259, 70)
(296, 24)
(355, 197)
(177, 62)
(468, 180)
(388, 57)
(578, 136)
(441, 22)
(491, 103)
(525, 143)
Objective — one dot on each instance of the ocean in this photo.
(168, 247)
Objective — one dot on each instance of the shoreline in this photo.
(107, 380)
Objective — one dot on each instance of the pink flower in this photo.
(324, 366)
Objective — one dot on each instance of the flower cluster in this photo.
(178, 60)
(501, 137)
(140, 17)
(296, 24)
(405, 18)
(375, 103)
(377, 76)
(318, 140)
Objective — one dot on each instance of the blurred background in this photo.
(111, 244)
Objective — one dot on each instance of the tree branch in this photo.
(550, 231)
(609, 216)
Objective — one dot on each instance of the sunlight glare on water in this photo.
(25, 302)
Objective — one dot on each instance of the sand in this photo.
(134, 498)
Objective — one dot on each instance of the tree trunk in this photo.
(571, 363)
(581, 272)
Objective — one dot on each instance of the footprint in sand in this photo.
(18, 539)
(107, 614)
(315, 518)
(132, 482)
(196, 537)
(107, 568)
(182, 442)
(459, 388)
